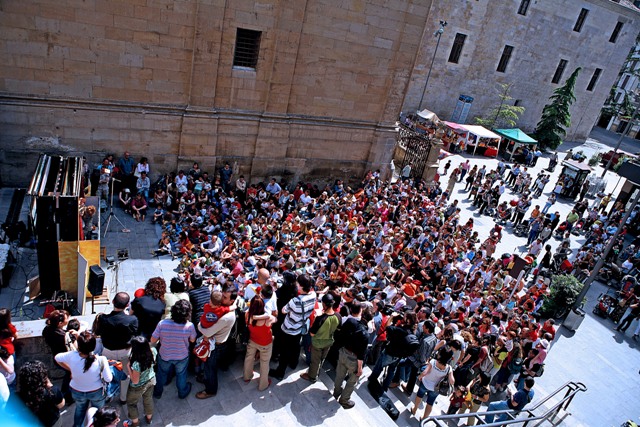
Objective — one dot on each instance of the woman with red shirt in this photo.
(260, 340)
(8, 332)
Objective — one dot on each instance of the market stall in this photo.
(474, 139)
(516, 141)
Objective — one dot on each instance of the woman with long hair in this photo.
(8, 333)
(55, 336)
(38, 393)
(143, 379)
(87, 372)
(260, 339)
(150, 307)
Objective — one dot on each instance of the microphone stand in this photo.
(112, 214)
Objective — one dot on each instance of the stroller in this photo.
(501, 217)
(605, 305)
(522, 229)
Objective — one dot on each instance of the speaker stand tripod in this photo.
(113, 215)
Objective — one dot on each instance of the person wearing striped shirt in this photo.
(175, 334)
(296, 324)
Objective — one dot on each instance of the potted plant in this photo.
(564, 290)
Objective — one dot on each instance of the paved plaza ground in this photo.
(607, 362)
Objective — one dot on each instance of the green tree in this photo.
(556, 116)
(502, 115)
(565, 288)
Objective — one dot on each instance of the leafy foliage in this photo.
(564, 291)
(556, 116)
(502, 115)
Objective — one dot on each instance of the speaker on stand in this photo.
(96, 283)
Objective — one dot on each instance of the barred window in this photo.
(247, 48)
(594, 79)
(504, 59)
(456, 49)
(559, 71)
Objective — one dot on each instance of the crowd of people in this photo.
(382, 274)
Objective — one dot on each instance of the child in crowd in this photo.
(457, 399)
(213, 310)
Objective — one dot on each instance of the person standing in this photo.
(87, 372)
(175, 335)
(143, 378)
(149, 308)
(295, 325)
(515, 402)
(38, 393)
(355, 336)
(220, 332)
(259, 322)
(464, 168)
(626, 322)
(127, 166)
(225, 177)
(322, 332)
(406, 172)
(116, 330)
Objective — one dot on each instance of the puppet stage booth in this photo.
(573, 175)
(55, 215)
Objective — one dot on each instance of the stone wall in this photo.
(157, 79)
(540, 39)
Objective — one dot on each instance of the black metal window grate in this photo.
(581, 18)
(594, 79)
(504, 59)
(616, 32)
(456, 49)
(559, 71)
(247, 48)
(524, 6)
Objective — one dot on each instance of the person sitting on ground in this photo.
(125, 200)
(139, 207)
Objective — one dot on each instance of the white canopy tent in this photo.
(478, 131)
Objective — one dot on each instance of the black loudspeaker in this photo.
(96, 280)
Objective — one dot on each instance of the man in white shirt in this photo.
(295, 325)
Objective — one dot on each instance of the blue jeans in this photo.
(83, 400)
(211, 369)
(496, 406)
(164, 367)
(385, 360)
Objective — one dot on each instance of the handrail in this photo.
(572, 389)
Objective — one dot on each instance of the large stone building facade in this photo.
(533, 45)
(287, 89)
(293, 90)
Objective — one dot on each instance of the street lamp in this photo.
(437, 34)
(634, 116)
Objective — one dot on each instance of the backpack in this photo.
(444, 387)
(515, 365)
(410, 344)
(487, 364)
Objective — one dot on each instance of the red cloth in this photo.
(212, 314)
(7, 342)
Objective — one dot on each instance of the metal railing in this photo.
(526, 417)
